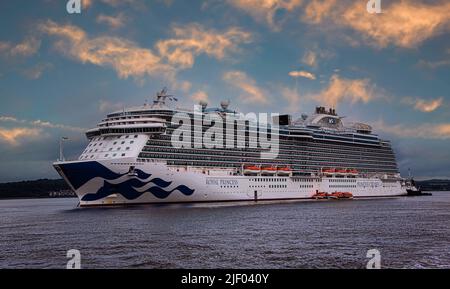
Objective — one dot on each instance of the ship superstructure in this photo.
(131, 158)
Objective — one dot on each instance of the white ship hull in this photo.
(110, 182)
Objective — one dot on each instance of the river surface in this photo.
(409, 232)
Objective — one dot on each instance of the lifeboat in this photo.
(341, 171)
(284, 171)
(340, 195)
(320, 196)
(353, 172)
(328, 171)
(251, 170)
(268, 170)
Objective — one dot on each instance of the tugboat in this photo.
(412, 189)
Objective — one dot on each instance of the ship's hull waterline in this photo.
(102, 183)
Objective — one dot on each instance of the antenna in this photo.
(161, 97)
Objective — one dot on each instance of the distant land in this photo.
(434, 185)
(46, 188)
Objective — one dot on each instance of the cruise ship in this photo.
(132, 158)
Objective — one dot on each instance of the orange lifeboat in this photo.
(320, 196)
(284, 171)
(268, 170)
(341, 171)
(341, 195)
(251, 169)
(328, 171)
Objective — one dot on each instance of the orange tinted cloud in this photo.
(200, 96)
(12, 136)
(302, 73)
(404, 23)
(265, 10)
(192, 40)
(426, 131)
(124, 56)
(130, 60)
(250, 90)
(423, 104)
(114, 22)
(25, 48)
(316, 11)
(341, 89)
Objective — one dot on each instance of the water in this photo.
(409, 232)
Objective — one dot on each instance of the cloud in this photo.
(341, 89)
(200, 96)
(12, 136)
(425, 131)
(191, 40)
(310, 58)
(423, 104)
(250, 91)
(124, 56)
(114, 22)
(266, 10)
(292, 97)
(86, 4)
(40, 123)
(404, 23)
(434, 64)
(302, 73)
(316, 11)
(128, 59)
(26, 48)
(36, 71)
(107, 106)
(116, 3)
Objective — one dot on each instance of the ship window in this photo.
(110, 149)
(122, 142)
(114, 143)
(118, 148)
(131, 142)
(123, 155)
(114, 155)
(127, 136)
(135, 136)
(106, 155)
(127, 148)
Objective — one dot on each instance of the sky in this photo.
(61, 73)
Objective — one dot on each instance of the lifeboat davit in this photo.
(268, 170)
(251, 170)
(284, 171)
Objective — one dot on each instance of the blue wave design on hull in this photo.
(79, 174)
(127, 191)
